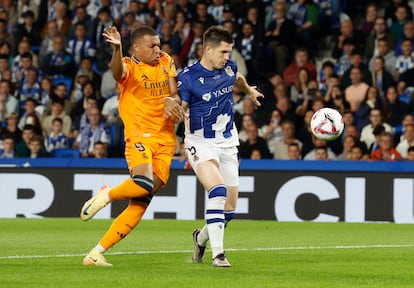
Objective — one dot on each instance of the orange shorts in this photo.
(143, 152)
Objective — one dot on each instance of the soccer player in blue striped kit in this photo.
(211, 137)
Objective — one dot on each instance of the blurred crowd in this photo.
(58, 97)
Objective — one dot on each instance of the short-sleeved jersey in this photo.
(209, 94)
(141, 101)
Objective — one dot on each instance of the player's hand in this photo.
(112, 36)
(172, 108)
(254, 95)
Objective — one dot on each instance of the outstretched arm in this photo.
(242, 84)
(113, 37)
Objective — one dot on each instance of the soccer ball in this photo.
(327, 124)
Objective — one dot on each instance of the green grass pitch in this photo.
(49, 252)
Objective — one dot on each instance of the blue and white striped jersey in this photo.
(209, 95)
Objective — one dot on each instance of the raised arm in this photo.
(113, 37)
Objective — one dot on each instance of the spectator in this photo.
(108, 84)
(338, 101)
(28, 109)
(46, 46)
(387, 54)
(301, 60)
(46, 91)
(23, 47)
(300, 87)
(407, 142)
(347, 31)
(408, 34)
(93, 132)
(246, 120)
(11, 128)
(254, 141)
(59, 63)
(103, 49)
(381, 78)
(100, 150)
(344, 60)
(202, 16)
(404, 62)
(256, 154)
(81, 115)
(57, 111)
(253, 51)
(304, 14)
(294, 152)
(315, 152)
(348, 143)
(36, 147)
(81, 78)
(326, 77)
(110, 109)
(281, 147)
(279, 36)
(81, 16)
(8, 148)
(410, 153)
(56, 139)
(356, 92)
(6, 36)
(8, 103)
(80, 46)
(379, 31)
(22, 147)
(60, 93)
(367, 24)
(357, 152)
(28, 29)
(386, 149)
(402, 18)
(394, 108)
(321, 153)
(30, 87)
(235, 53)
(371, 100)
(376, 118)
(272, 132)
(356, 61)
(391, 8)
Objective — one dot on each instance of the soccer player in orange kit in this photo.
(148, 106)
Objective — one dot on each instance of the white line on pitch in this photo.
(229, 249)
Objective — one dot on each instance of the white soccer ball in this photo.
(327, 124)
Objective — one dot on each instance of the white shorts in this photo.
(200, 151)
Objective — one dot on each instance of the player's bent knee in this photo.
(144, 182)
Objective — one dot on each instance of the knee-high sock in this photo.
(127, 190)
(203, 235)
(124, 223)
(215, 218)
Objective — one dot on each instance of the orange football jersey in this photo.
(141, 102)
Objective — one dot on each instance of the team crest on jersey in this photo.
(164, 69)
(206, 97)
(201, 79)
(229, 71)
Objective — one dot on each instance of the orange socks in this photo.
(127, 190)
(124, 223)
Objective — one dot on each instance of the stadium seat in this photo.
(65, 153)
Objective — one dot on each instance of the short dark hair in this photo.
(142, 31)
(216, 34)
